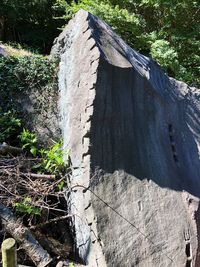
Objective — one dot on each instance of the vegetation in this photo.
(167, 30)
(36, 197)
(10, 125)
(33, 181)
(21, 73)
(29, 22)
(26, 207)
(51, 158)
(29, 141)
(44, 161)
(24, 72)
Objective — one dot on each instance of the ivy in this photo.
(22, 73)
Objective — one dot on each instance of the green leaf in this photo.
(33, 151)
(61, 185)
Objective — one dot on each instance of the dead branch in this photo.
(38, 175)
(23, 236)
(9, 150)
(18, 181)
(50, 221)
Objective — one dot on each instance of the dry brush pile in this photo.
(34, 204)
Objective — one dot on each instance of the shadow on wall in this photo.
(141, 126)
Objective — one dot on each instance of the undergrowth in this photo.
(10, 125)
(18, 74)
(33, 183)
(21, 72)
(40, 172)
(51, 158)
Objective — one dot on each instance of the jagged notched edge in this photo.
(95, 55)
(91, 46)
(145, 66)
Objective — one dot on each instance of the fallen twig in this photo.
(50, 221)
(38, 175)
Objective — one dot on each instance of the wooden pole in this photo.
(9, 255)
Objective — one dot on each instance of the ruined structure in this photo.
(133, 135)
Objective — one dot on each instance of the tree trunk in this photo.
(22, 235)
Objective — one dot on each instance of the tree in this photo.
(167, 30)
(30, 22)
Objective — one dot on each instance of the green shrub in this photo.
(52, 159)
(29, 141)
(21, 73)
(164, 54)
(26, 207)
(10, 125)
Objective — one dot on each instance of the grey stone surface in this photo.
(134, 139)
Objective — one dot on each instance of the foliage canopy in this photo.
(167, 30)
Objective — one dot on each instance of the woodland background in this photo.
(166, 30)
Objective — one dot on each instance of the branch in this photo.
(6, 149)
(38, 175)
(50, 221)
(22, 235)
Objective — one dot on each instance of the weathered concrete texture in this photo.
(134, 138)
